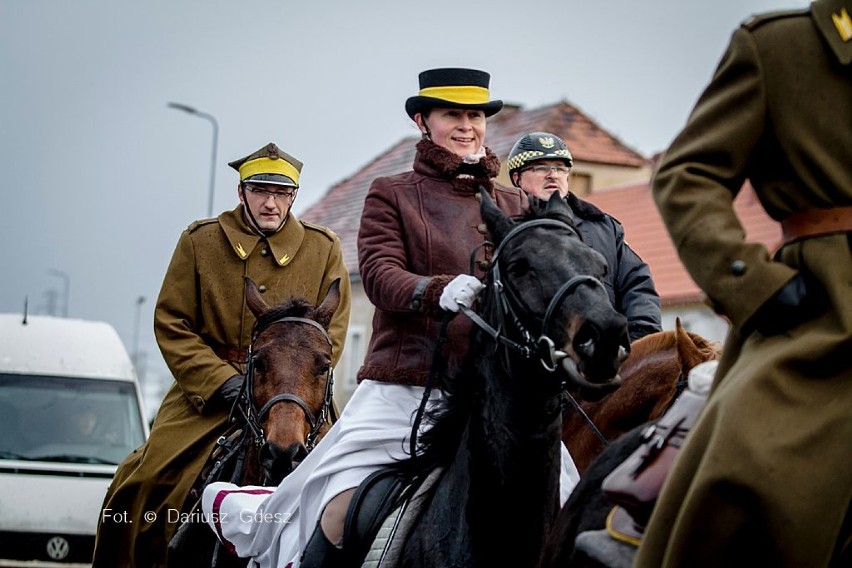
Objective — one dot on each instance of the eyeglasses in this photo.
(265, 193)
(544, 170)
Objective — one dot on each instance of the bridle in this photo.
(254, 417)
(508, 303)
(544, 347)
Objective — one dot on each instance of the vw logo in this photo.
(57, 548)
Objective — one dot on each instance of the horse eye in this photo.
(519, 267)
(322, 366)
(260, 364)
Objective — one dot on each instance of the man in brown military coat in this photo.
(765, 476)
(203, 328)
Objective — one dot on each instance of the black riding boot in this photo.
(320, 552)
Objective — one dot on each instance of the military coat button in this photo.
(738, 267)
(261, 288)
(264, 252)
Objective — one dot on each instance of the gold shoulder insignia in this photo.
(240, 250)
(843, 24)
(284, 259)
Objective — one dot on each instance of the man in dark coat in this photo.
(765, 475)
(540, 163)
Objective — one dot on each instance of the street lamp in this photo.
(139, 301)
(66, 281)
(191, 110)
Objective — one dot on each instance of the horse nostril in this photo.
(584, 341)
(278, 462)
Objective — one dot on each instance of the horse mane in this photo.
(538, 210)
(658, 342)
(294, 307)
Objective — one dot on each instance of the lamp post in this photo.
(66, 285)
(139, 301)
(191, 110)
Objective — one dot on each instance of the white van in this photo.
(70, 411)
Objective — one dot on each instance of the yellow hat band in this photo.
(269, 166)
(461, 95)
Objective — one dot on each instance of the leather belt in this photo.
(816, 223)
(231, 354)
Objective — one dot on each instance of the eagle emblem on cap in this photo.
(272, 152)
(547, 141)
(843, 23)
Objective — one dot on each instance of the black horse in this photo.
(544, 319)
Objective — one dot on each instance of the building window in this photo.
(353, 357)
(580, 184)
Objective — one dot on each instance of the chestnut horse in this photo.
(652, 376)
(284, 408)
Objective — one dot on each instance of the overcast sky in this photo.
(100, 177)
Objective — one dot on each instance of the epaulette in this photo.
(758, 20)
(320, 229)
(193, 226)
(585, 209)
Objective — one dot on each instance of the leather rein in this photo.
(254, 417)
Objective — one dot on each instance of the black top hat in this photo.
(453, 88)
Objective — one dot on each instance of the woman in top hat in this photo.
(416, 234)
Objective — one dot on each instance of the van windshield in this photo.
(68, 419)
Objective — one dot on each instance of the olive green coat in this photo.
(765, 477)
(201, 305)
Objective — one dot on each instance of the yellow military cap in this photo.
(270, 164)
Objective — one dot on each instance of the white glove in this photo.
(460, 290)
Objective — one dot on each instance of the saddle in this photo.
(224, 464)
(374, 500)
(382, 510)
(634, 485)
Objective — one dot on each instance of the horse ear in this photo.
(254, 300)
(688, 352)
(557, 204)
(329, 305)
(498, 223)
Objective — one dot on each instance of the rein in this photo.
(255, 417)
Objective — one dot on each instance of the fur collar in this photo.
(436, 161)
(584, 209)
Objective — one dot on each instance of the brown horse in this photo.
(281, 413)
(653, 375)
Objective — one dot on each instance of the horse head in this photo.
(289, 377)
(653, 375)
(553, 284)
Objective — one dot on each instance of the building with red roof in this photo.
(606, 172)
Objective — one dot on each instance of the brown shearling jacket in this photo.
(417, 233)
